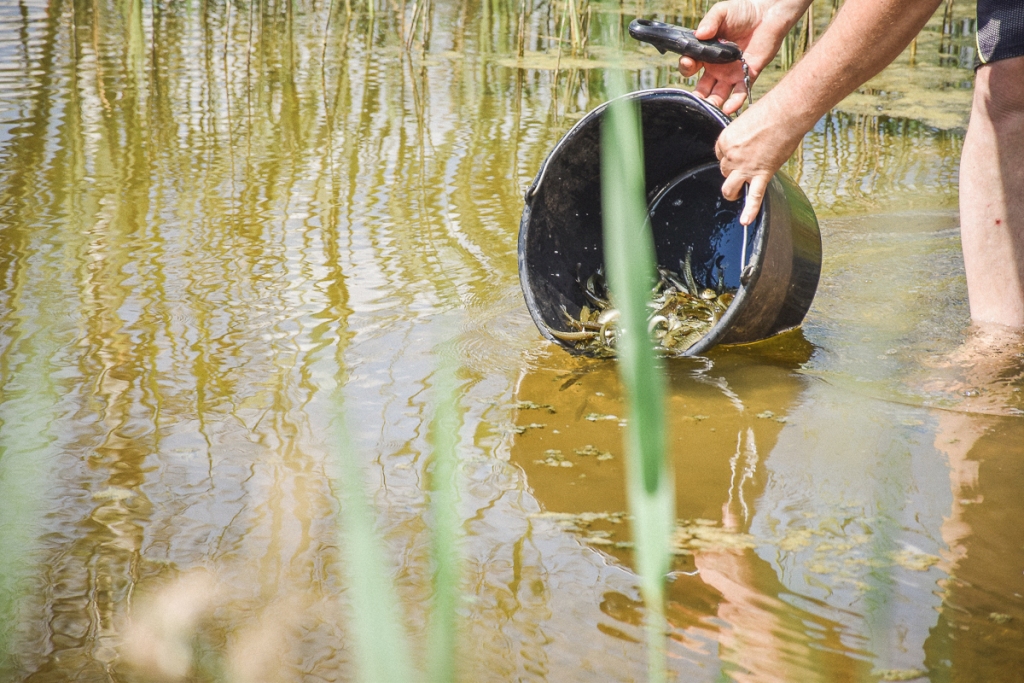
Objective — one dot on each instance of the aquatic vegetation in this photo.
(580, 520)
(706, 535)
(554, 459)
(899, 674)
(530, 405)
(915, 560)
(590, 450)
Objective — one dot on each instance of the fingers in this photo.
(719, 84)
(705, 85)
(755, 195)
(710, 89)
(732, 189)
(688, 67)
(735, 101)
(720, 92)
(733, 186)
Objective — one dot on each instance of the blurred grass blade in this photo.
(381, 644)
(630, 262)
(26, 457)
(442, 636)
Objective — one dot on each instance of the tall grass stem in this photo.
(381, 644)
(442, 639)
(630, 262)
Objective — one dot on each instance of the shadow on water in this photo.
(214, 217)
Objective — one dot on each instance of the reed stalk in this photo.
(381, 645)
(444, 487)
(327, 33)
(630, 262)
(27, 456)
(521, 30)
(381, 642)
(575, 30)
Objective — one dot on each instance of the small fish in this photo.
(691, 284)
(582, 335)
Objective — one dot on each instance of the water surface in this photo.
(223, 227)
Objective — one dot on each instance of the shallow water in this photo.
(214, 243)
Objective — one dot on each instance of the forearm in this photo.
(864, 38)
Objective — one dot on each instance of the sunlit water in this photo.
(214, 244)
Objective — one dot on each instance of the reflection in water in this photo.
(212, 217)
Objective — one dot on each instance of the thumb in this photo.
(712, 21)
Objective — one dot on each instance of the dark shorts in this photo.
(1000, 29)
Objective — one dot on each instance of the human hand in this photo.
(758, 27)
(751, 150)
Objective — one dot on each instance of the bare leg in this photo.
(992, 195)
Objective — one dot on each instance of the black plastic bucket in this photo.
(775, 262)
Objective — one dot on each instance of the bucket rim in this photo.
(649, 93)
(759, 227)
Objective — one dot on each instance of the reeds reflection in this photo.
(215, 216)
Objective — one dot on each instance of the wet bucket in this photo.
(774, 263)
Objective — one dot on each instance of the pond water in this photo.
(223, 226)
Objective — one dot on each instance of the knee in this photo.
(999, 92)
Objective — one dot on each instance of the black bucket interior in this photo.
(560, 239)
(691, 212)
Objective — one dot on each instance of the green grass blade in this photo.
(441, 639)
(630, 262)
(26, 460)
(381, 644)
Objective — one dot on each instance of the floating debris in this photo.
(594, 417)
(590, 450)
(1000, 618)
(769, 415)
(705, 534)
(530, 405)
(899, 674)
(915, 561)
(795, 539)
(581, 521)
(521, 429)
(599, 538)
(554, 459)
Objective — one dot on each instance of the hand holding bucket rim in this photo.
(750, 151)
